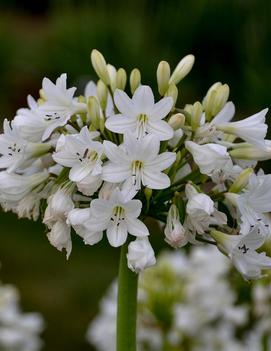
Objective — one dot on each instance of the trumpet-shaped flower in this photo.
(140, 114)
(174, 231)
(118, 216)
(16, 152)
(81, 154)
(252, 129)
(241, 249)
(136, 162)
(14, 187)
(140, 255)
(201, 211)
(255, 201)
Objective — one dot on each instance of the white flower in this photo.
(252, 129)
(80, 153)
(241, 249)
(118, 216)
(140, 255)
(136, 162)
(13, 187)
(59, 206)
(39, 122)
(60, 236)
(91, 90)
(174, 231)
(140, 114)
(255, 201)
(15, 152)
(201, 211)
(209, 157)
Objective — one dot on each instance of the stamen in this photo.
(137, 167)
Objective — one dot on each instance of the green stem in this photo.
(127, 305)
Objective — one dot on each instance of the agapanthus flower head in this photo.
(103, 162)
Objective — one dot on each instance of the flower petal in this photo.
(124, 104)
(155, 180)
(115, 173)
(143, 99)
(162, 161)
(162, 108)
(120, 124)
(161, 129)
(136, 227)
(117, 234)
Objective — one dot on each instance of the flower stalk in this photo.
(127, 304)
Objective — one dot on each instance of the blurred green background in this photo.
(231, 40)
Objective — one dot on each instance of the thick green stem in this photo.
(127, 305)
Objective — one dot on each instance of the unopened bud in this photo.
(251, 153)
(196, 113)
(42, 95)
(148, 193)
(173, 92)
(215, 99)
(182, 69)
(177, 121)
(135, 80)
(241, 181)
(121, 79)
(102, 93)
(163, 76)
(99, 65)
(112, 75)
(93, 108)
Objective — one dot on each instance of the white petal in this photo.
(136, 227)
(115, 173)
(162, 108)
(133, 208)
(161, 129)
(124, 104)
(225, 115)
(162, 161)
(120, 124)
(157, 180)
(117, 235)
(143, 99)
(79, 172)
(114, 153)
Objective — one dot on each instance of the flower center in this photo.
(88, 155)
(13, 149)
(51, 117)
(137, 167)
(141, 128)
(118, 215)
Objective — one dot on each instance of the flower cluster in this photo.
(102, 162)
(192, 302)
(18, 331)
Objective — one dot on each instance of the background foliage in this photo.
(231, 40)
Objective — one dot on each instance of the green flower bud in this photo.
(163, 76)
(112, 74)
(173, 92)
(182, 69)
(99, 65)
(241, 181)
(215, 99)
(94, 109)
(196, 112)
(121, 79)
(135, 80)
(177, 121)
(102, 92)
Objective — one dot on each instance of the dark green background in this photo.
(231, 40)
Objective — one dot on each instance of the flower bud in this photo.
(102, 93)
(99, 65)
(241, 181)
(174, 230)
(196, 113)
(163, 75)
(177, 121)
(112, 74)
(93, 108)
(173, 92)
(60, 237)
(182, 69)
(140, 255)
(252, 153)
(215, 99)
(135, 80)
(148, 193)
(121, 79)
